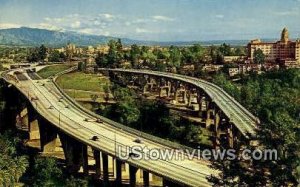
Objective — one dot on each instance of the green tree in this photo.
(42, 53)
(258, 56)
(135, 55)
(175, 57)
(46, 172)
(54, 56)
(12, 165)
(106, 89)
(222, 81)
(225, 50)
(72, 182)
(125, 110)
(81, 66)
(115, 53)
(33, 55)
(101, 60)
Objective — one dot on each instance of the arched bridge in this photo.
(219, 105)
(52, 115)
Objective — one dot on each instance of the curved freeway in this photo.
(245, 122)
(51, 103)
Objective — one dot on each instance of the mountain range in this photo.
(25, 36)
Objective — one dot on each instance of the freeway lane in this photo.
(246, 122)
(71, 120)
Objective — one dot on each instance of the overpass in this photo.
(218, 101)
(53, 114)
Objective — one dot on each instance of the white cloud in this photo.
(87, 31)
(9, 25)
(48, 26)
(76, 24)
(107, 16)
(142, 30)
(220, 16)
(162, 18)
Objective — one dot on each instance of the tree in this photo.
(106, 90)
(12, 165)
(46, 172)
(258, 56)
(239, 51)
(222, 81)
(225, 50)
(175, 57)
(81, 66)
(135, 54)
(42, 53)
(37, 54)
(215, 55)
(54, 56)
(72, 182)
(62, 56)
(101, 60)
(115, 53)
(33, 55)
(125, 110)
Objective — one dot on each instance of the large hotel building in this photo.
(284, 51)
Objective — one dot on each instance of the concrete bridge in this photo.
(230, 122)
(54, 117)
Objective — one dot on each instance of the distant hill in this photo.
(32, 37)
(25, 36)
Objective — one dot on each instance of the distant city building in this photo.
(231, 59)
(71, 49)
(212, 67)
(246, 68)
(90, 50)
(102, 49)
(284, 51)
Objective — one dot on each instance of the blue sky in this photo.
(161, 20)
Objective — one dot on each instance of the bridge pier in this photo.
(180, 93)
(105, 169)
(97, 164)
(74, 153)
(119, 172)
(217, 130)
(33, 124)
(190, 98)
(22, 121)
(199, 102)
(162, 89)
(146, 181)
(230, 136)
(48, 135)
(132, 175)
(85, 159)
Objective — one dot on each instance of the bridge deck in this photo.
(72, 120)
